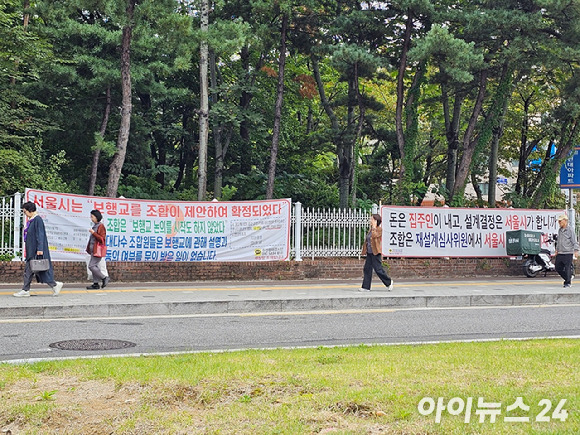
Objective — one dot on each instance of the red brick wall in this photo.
(330, 268)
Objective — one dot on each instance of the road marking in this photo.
(283, 287)
(280, 313)
(325, 346)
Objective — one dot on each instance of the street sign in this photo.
(502, 180)
(570, 171)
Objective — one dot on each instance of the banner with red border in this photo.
(458, 232)
(148, 230)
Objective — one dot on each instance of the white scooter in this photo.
(542, 262)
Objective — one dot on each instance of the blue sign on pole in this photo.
(570, 178)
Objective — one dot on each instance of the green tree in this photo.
(22, 55)
(85, 86)
(23, 122)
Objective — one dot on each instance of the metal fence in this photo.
(328, 233)
(10, 224)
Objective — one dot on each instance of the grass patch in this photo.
(348, 390)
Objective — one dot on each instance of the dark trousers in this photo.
(373, 262)
(29, 275)
(564, 267)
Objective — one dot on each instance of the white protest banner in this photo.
(458, 232)
(147, 230)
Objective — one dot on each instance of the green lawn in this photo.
(345, 390)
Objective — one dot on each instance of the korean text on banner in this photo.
(146, 230)
(458, 232)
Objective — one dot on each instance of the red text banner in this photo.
(147, 230)
(458, 232)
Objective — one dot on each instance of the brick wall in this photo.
(331, 268)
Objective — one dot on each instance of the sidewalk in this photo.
(181, 298)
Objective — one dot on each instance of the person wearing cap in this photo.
(566, 250)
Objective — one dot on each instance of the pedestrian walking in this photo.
(374, 260)
(97, 249)
(566, 250)
(35, 246)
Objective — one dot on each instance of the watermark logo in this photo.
(491, 410)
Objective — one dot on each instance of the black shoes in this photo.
(97, 286)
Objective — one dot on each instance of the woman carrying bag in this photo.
(35, 246)
(97, 249)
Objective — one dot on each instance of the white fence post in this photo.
(297, 231)
(17, 220)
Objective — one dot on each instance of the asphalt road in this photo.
(29, 339)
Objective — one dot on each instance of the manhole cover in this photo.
(92, 344)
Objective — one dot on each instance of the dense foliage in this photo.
(338, 102)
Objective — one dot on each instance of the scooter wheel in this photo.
(528, 269)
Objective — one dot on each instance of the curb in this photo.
(282, 305)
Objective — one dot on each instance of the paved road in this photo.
(178, 317)
(29, 339)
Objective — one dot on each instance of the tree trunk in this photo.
(97, 151)
(525, 149)
(346, 144)
(492, 183)
(26, 18)
(277, 111)
(452, 135)
(527, 189)
(490, 124)
(245, 100)
(323, 98)
(126, 107)
(159, 155)
(498, 124)
(493, 158)
(342, 144)
(217, 130)
(427, 174)
(361, 120)
(219, 163)
(477, 189)
(310, 122)
(25, 22)
(204, 103)
(184, 149)
(469, 142)
(401, 93)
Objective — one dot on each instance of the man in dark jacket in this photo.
(566, 250)
(36, 244)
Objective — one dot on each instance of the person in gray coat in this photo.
(36, 244)
(566, 250)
